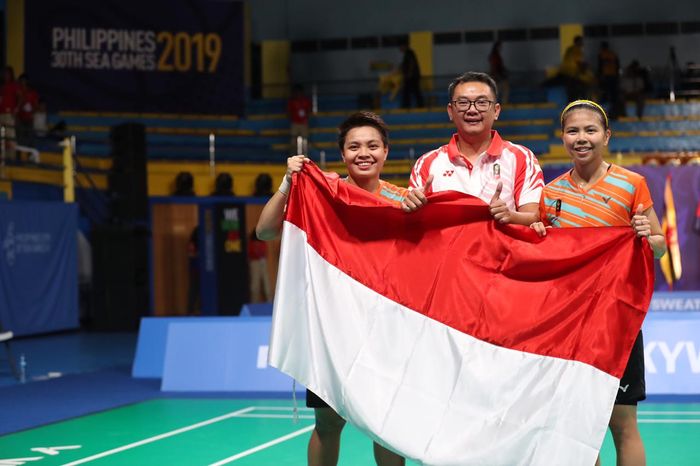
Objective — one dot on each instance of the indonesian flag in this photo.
(450, 339)
(671, 261)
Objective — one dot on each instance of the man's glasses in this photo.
(463, 105)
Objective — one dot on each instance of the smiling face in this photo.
(473, 123)
(584, 136)
(364, 153)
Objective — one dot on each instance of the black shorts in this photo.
(313, 400)
(632, 385)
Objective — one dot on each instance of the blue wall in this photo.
(27, 191)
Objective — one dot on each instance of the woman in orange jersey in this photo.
(595, 193)
(364, 146)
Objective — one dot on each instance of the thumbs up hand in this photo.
(416, 198)
(498, 208)
(640, 223)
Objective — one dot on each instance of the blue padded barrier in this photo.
(221, 356)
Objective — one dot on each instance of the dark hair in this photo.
(184, 184)
(11, 71)
(359, 119)
(588, 105)
(263, 185)
(223, 185)
(472, 76)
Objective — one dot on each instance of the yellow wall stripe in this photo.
(275, 68)
(14, 9)
(422, 44)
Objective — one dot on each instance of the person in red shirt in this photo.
(298, 110)
(8, 108)
(477, 161)
(257, 264)
(27, 104)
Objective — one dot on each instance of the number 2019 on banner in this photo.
(182, 51)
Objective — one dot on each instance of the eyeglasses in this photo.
(463, 105)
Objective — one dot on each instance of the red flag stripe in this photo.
(577, 294)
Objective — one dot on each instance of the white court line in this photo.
(276, 416)
(249, 452)
(281, 408)
(162, 436)
(675, 413)
(668, 421)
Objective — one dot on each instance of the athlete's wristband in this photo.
(285, 186)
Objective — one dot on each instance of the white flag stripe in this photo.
(434, 394)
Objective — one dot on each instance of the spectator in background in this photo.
(184, 184)
(609, 79)
(575, 71)
(223, 185)
(498, 71)
(259, 277)
(410, 74)
(8, 109)
(636, 85)
(41, 120)
(299, 111)
(27, 103)
(389, 84)
(263, 185)
(573, 59)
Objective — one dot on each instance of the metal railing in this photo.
(666, 83)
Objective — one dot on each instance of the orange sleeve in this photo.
(642, 195)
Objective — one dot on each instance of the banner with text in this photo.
(163, 56)
(672, 353)
(38, 266)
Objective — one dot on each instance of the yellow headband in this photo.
(590, 103)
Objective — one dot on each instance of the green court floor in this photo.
(172, 432)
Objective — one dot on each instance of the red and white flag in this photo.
(450, 339)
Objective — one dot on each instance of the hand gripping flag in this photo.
(450, 339)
